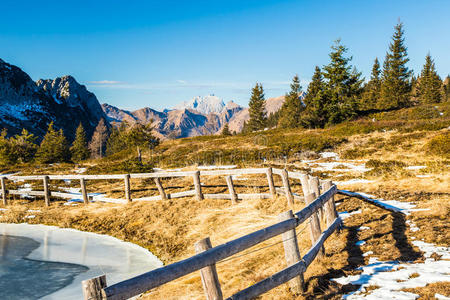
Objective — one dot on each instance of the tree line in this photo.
(337, 92)
(55, 148)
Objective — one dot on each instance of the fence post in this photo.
(4, 191)
(330, 212)
(46, 191)
(127, 187)
(92, 288)
(314, 188)
(305, 184)
(269, 174)
(231, 189)
(83, 191)
(197, 185)
(314, 225)
(287, 187)
(210, 279)
(160, 188)
(291, 252)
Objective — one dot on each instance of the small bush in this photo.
(439, 145)
(389, 167)
(355, 153)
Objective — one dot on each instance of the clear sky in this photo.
(158, 53)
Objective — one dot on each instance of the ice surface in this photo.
(101, 254)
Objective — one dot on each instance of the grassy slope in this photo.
(388, 142)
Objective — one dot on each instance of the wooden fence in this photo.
(317, 206)
(157, 176)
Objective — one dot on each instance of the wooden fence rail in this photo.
(206, 260)
(285, 190)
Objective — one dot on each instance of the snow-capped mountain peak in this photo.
(203, 104)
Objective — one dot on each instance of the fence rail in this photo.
(284, 190)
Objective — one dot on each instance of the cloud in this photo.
(105, 82)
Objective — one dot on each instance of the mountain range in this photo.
(32, 105)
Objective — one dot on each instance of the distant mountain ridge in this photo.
(33, 105)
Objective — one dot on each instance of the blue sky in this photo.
(158, 53)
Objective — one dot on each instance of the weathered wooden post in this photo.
(314, 188)
(291, 252)
(92, 288)
(269, 174)
(231, 189)
(305, 184)
(287, 187)
(330, 206)
(197, 185)
(46, 190)
(162, 193)
(4, 191)
(83, 191)
(127, 187)
(314, 225)
(210, 279)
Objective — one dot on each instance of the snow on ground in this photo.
(415, 167)
(390, 277)
(344, 215)
(352, 181)
(80, 170)
(423, 176)
(338, 166)
(329, 155)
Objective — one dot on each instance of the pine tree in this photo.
(429, 87)
(371, 93)
(226, 130)
(256, 109)
(292, 107)
(343, 85)
(24, 146)
(116, 141)
(395, 83)
(79, 149)
(315, 102)
(98, 140)
(54, 147)
(7, 156)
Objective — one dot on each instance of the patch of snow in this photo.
(360, 243)
(404, 207)
(415, 167)
(429, 249)
(329, 155)
(353, 181)
(212, 167)
(3, 209)
(34, 210)
(423, 176)
(344, 215)
(363, 228)
(367, 253)
(441, 297)
(30, 217)
(331, 166)
(80, 170)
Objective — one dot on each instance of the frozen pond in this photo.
(46, 262)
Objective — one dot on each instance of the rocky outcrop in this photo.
(33, 105)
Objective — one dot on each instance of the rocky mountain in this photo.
(33, 105)
(199, 116)
(204, 105)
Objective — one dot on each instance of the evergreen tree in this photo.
(24, 146)
(315, 102)
(343, 85)
(256, 109)
(141, 135)
(7, 156)
(395, 84)
(79, 149)
(429, 87)
(371, 93)
(97, 144)
(54, 147)
(116, 141)
(292, 107)
(226, 130)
